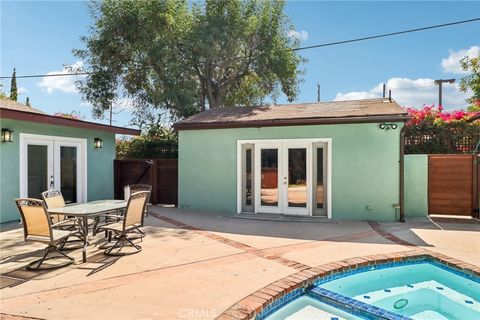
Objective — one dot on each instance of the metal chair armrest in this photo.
(63, 222)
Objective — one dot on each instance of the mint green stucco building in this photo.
(52, 152)
(338, 160)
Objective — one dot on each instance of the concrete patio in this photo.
(195, 265)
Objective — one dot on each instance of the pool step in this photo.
(351, 305)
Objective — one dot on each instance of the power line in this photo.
(49, 75)
(387, 34)
(296, 49)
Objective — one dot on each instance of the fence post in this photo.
(154, 182)
(116, 179)
(476, 186)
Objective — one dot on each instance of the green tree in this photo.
(472, 80)
(170, 56)
(154, 142)
(2, 94)
(13, 86)
(27, 102)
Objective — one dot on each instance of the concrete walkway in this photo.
(195, 265)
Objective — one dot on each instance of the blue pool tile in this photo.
(410, 285)
(387, 290)
(333, 318)
(366, 297)
(440, 288)
(469, 301)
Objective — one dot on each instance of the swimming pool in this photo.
(417, 290)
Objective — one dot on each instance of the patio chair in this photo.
(141, 187)
(54, 199)
(136, 188)
(38, 227)
(130, 222)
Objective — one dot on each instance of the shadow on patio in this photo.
(15, 254)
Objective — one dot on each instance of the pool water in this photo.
(305, 308)
(418, 291)
(421, 290)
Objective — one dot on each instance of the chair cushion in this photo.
(57, 236)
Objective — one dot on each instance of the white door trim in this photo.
(25, 138)
(310, 141)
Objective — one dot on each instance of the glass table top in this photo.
(90, 208)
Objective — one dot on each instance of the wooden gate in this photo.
(452, 184)
(161, 174)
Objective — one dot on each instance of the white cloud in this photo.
(451, 64)
(300, 35)
(61, 83)
(356, 95)
(412, 93)
(21, 90)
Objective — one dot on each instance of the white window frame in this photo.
(80, 143)
(310, 141)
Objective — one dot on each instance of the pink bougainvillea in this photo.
(437, 116)
(73, 115)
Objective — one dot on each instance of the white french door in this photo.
(297, 178)
(268, 177)
(48, 162)
(283, 177)
(289, 176)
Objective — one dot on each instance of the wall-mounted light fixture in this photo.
(7, 135)
(388, 126)
(98, 143)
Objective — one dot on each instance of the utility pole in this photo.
(111, 112)
(440, 82)
(384, 90)
(318, 92)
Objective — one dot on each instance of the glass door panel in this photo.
(38, 179)
(269, 177)
(36, 166)
(68, 170)
(267, 159)
(297, 178)
(247, 178)
(320, 181)
(68, 173)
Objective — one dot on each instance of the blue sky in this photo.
(38, 38)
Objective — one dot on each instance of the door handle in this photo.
(51, 182)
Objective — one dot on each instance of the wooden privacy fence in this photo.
(453, 184)
(161, 174)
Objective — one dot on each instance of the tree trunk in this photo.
(213, 95)
(203, 97)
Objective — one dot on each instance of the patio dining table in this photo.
(87, 210)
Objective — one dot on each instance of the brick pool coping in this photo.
(252, 305)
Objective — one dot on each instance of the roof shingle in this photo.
(368, 110)
(14, 105)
